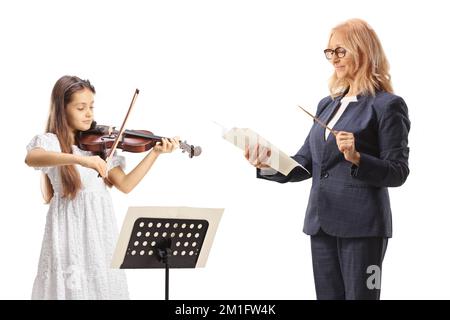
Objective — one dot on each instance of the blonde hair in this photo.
(369, 60)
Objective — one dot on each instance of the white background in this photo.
(240, 63)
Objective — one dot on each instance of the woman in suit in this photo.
(348, 215)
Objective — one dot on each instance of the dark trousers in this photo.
(347, 268)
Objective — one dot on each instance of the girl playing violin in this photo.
(81, 230)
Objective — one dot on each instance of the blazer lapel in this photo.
(317, 136)
(328, 114)
(344, 124)
(350, 112)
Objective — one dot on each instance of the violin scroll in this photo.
(190, 149)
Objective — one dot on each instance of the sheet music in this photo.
(280, 161)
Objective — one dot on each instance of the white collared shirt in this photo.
(344, 103)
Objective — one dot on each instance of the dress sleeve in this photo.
(117, 161)
(46, 141)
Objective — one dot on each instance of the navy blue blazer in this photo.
(348, 200)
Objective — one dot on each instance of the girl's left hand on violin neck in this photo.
(166, 145)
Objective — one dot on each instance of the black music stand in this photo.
(166, 237)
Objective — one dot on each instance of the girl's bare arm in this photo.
(127, 182)
(39, 157)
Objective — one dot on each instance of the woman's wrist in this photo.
(356, 159)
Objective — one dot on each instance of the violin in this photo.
(100, 138)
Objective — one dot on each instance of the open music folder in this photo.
(279, 160)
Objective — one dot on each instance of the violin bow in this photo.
(122, 129)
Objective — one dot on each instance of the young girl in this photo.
(81, 230)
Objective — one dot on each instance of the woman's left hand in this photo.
(346, 144)
(166, 146)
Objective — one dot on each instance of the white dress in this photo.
(80, 236)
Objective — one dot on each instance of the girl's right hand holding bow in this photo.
(94, 162)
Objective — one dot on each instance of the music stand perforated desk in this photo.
(166, 237)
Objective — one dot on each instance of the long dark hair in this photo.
(57, 123)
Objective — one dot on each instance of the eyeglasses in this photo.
(339, 51)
